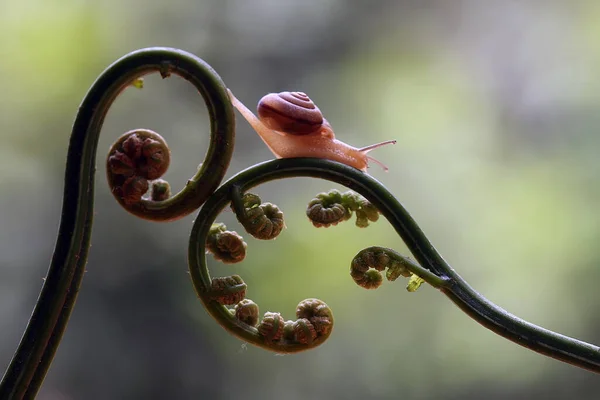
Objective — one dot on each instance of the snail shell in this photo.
(292, 126)
(291, 112)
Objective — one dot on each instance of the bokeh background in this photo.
(495, 106)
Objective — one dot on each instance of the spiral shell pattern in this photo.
(290, 112)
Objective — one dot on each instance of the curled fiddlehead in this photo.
(262, 220)
(227, 290)
(314, 321)
(61, 286)
(247, 312)
(317, 313)
(137, 157)
(430, 266)
(312, 327)
(367, 265)
(330, 208)
(160, 190)
(270, 329)
(225, 246)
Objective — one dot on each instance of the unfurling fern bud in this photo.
(228, 290)
(333, 207)
(132, 145)
(304, 331)
(314, 323)
(326, 210)
(225, 246)
(263, 221)
(367, 265)
(120, 164)
(366, 213)
(288, 331)
(318, 313)
(138, 83)
(365, 268)
(247, 312)
(160, 191)
(135, 158)
(414, 283)
(395, 270)
(155, 156)
(370, 279)
(133, 189)
(271, 327)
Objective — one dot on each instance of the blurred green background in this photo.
(495, 106)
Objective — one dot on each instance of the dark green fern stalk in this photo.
(32, 359)
(135, 164)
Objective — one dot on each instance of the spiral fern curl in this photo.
(330, 208)
(367, 265)
(262, 220)
(135, 165)
(225, 246)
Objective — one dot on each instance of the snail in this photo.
(291, 126)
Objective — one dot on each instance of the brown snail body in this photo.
(292, 126)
